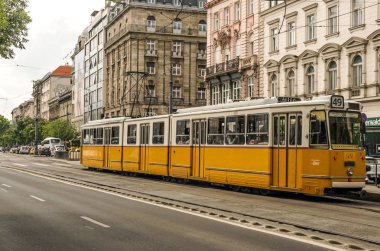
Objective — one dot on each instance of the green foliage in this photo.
(13, 26)
(6, 135)
(60, 129)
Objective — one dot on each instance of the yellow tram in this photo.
(308, 147)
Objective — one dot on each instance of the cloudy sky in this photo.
(52, 37)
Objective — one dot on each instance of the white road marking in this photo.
(39, 164)
(2, 189)
(35, 197)
(295, 238)
(6, 185)
(95, 222)
(17, 164)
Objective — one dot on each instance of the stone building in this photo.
(232, 50)
(60, 106)
(321, 48)
(24, 110)
(146, 43)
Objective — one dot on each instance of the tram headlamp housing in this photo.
(350, 172)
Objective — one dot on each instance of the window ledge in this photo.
(291, 47)
(356, 28)
(332, 35)
(273, 53)
(311, 41)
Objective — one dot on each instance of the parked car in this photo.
(24, 150)
(50, 142)
(57, 148)
(14, 150)
(371, 165)
(45, 151)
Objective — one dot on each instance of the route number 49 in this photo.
(337, 101)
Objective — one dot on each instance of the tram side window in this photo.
(115, 136)
(183, 132)
(318, 128)
(86, 137)
(235, 130)
(299, 135)
(257, 129)
(215, 131)
(92, 136)
(132, 133)
(158, 133)
(99, 136)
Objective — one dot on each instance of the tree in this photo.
(5, 130)
(13, 26)
(59, 128)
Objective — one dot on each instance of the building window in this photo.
(151, 1)
(226, 19)
(177, 92)
(291, 33)
(201, 93)
(238, 47)
(150, 90)
(332, 72)
(151, 45)
(177, 2)
(310, 26)
(216, 21)
(151, 23)
(176, 69)
(201, 4)
(273, 85)
(202, 26)
(225, 92)
(215, 97)
(201, 70)
(237, 11)
(310, 80)
(357, 12)
(251, 6)
(176, 47)
(150, 68)
(333, 19)
(291, 82)
(150, 112)
(177, 25)
(236, 90)
(357, 71)
(251, 86)
(273, 3)
(274, 39)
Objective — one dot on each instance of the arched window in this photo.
(202, 26)
(151, 23)
(177, 25)
(332, 72)
(238, 47)
(357, 71)
(291, 77)
(310, 80)
(273, 85)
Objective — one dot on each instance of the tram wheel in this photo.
(264, 192)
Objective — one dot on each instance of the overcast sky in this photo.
(53, 34)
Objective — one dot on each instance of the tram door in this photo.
(198, 148)
(144, 147)
(107, 148)
(287, 131)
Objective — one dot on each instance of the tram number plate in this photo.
(337, 101)
(349, 156)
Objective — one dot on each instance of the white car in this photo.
(371, 165)
(57, 148)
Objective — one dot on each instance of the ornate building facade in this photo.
(147, 44)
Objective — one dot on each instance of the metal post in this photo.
(171, 91)
(36, 119)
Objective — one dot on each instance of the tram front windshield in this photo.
(344, 129)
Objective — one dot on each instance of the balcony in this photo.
(177, 54)
(200, 102)
(150, 100)
(151, 53)
(223, 68)
(201, 55)
(248, 62)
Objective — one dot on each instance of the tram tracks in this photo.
(267, 223)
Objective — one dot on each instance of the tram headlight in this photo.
(350, 172)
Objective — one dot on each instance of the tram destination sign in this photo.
(337, 101)
(287, 99)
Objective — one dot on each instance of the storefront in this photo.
(373, 136)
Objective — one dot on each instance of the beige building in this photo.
(232, 50)
(146, 43)
(48, 88)
(320, 48)
(60, 107)
(24, 110)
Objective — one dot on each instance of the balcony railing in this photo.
(248, 62)
(152, 53)
(201, 54)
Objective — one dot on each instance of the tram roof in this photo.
(105, 121)
(262, 103)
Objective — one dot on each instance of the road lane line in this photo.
(35, 197)
(6, 185)
(39, 164)
(17, 164)
(2, 189)
(95, 222)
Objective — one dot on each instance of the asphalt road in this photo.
(41, 214)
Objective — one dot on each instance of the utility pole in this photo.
(171, 90)
(36, 93)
